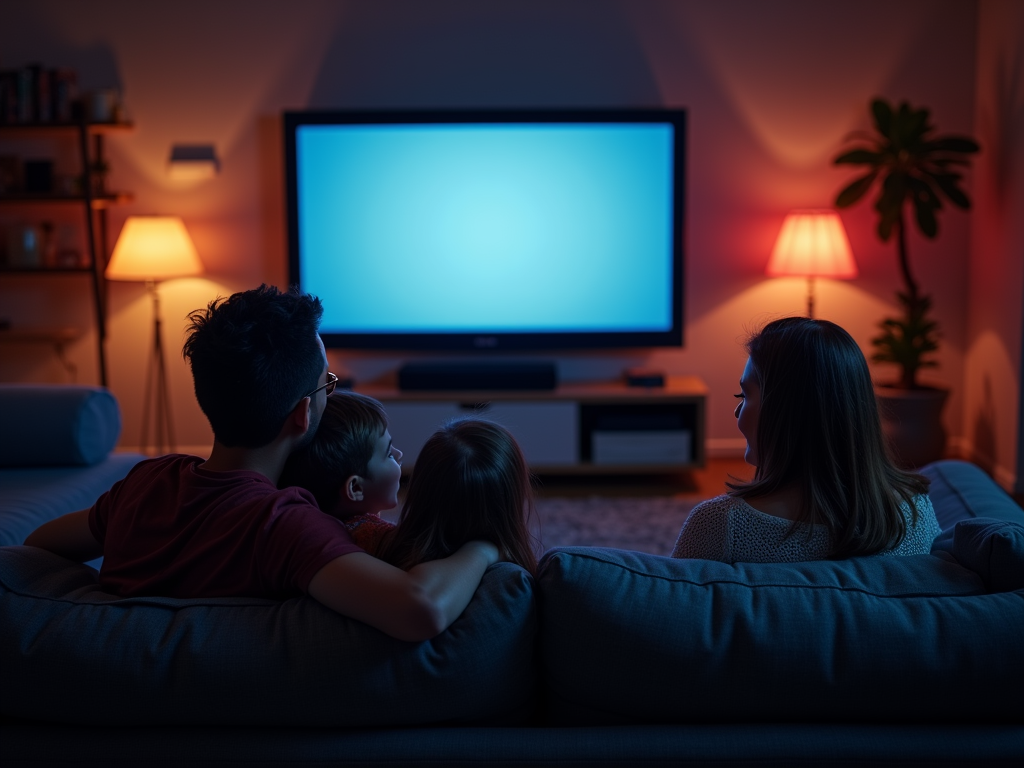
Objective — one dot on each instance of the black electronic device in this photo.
(477, 375)
(489, 230)
(644, 377)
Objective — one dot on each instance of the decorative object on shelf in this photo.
(24, 247)
(193, 162)
(83, 248)
(812, 243)
(914, 169)
(151, 249)
(38, 175)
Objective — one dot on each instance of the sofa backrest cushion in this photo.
(994, 549)
(628, 638)
(56, 425)
(961, 491)
(76, 655)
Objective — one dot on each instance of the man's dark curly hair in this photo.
(254, 355)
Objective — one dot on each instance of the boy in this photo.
(181, 527)
(351, 468)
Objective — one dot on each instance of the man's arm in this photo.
(68, 536)
(412, 605)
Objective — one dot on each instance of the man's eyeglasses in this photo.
(332, 382)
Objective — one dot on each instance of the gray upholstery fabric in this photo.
(994, 549)
(962, 491)
(694, 746)
(73, 654)
(628, 637)
(31, 496)
(57, 425)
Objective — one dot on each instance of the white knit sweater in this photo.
(730, 530)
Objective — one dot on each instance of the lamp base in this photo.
(157, 401)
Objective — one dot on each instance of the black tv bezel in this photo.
(505, 341)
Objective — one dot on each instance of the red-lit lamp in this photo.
(812, 244)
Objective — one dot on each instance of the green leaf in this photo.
(855, 190)
(882, 113)
(858, 157)
(957, 144)
(926, 222)
(947, 182)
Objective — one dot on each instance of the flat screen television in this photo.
(489, 230)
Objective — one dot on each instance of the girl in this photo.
(824, 486)
(471, 482)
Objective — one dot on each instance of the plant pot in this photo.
(912, 423)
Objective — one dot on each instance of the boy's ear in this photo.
(353, 488)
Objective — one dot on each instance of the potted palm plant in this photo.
(914, 171)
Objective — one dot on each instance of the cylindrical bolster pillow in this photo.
(56, 425)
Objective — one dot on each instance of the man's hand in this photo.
(68, 536)
(415, 605)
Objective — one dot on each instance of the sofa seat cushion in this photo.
(629, 638)
(31, 496)
(50, 425)
(73, 654)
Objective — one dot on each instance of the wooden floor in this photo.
(698, 483)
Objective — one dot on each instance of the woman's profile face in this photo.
(748, 411)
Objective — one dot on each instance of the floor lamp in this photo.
(812, 243)
(151, 249)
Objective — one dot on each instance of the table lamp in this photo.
(812, 244)
(151, 249)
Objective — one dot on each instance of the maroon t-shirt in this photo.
(173, 529)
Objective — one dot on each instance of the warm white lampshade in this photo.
(153, 248)
(812, 243)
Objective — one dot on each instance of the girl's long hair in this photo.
(819, 429)
(470, 482)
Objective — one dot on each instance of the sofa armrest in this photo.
(57, 425)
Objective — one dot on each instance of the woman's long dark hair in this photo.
(470, 482)
(818, 429)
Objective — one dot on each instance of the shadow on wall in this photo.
(438, 55)
(47, 43)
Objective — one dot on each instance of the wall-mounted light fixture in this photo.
(812, 244)
(193, 162)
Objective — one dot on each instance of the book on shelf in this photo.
(34, 94)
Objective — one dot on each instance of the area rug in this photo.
(648, 524)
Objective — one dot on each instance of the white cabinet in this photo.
(583, 428)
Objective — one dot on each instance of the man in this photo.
(179, 526)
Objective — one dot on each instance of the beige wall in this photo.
(992, 371)
(771, 87)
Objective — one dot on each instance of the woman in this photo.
(824, 485)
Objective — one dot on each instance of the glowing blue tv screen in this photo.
(494, 230)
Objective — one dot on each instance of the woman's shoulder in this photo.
(922, 527)
(718, 505)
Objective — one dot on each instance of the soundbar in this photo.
(461, 376)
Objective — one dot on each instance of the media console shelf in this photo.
(584, 428)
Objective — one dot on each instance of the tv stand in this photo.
(583, 428)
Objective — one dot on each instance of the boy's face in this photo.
(384, 472)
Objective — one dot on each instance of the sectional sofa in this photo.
(607, 658)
